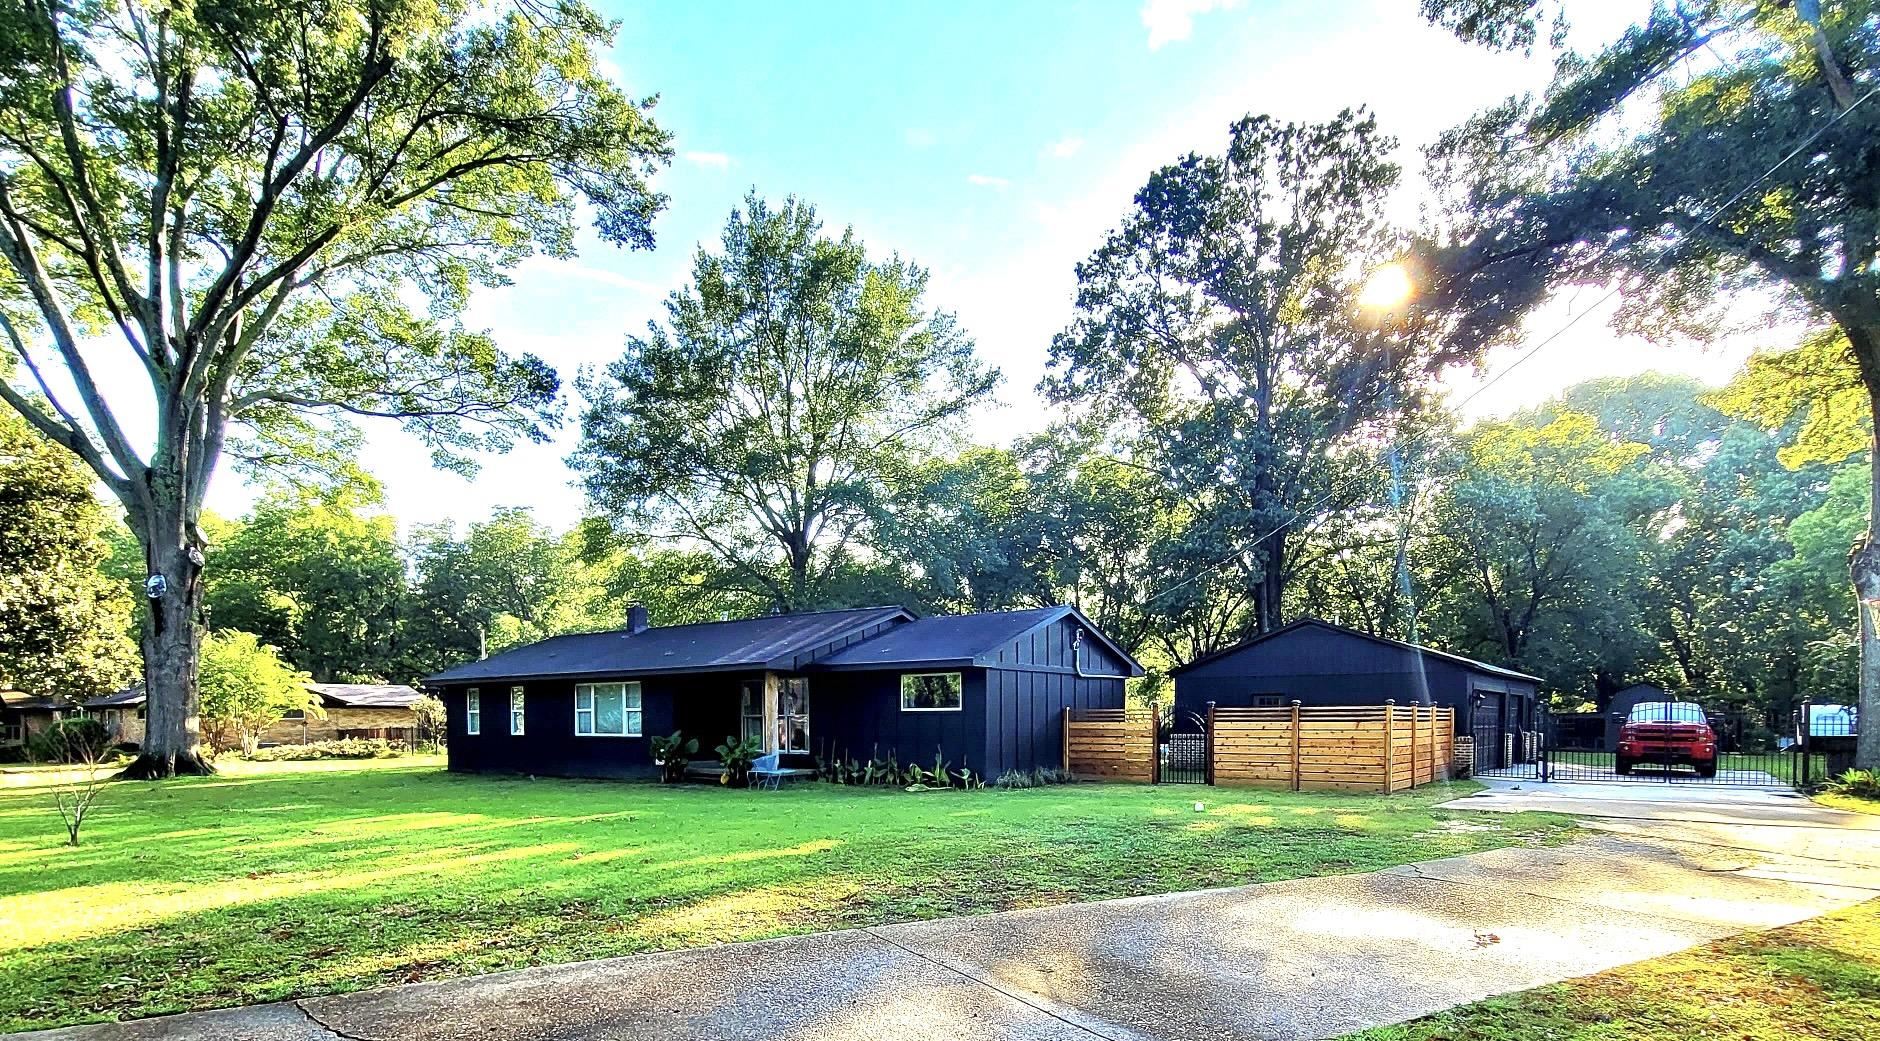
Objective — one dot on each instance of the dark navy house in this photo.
(1318, 663)
(986, 691)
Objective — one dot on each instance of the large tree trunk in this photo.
(1271, 587)
(172, 645)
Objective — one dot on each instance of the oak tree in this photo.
(250, 219)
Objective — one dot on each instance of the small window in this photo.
(473, 711)
(1269, 701)
(295, 714)
(932, 692)
(607, 710)
(515, 711)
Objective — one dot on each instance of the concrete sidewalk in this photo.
(1310, 958)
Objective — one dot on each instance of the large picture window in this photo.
(932, 692)
(607, 710)
(473, 711)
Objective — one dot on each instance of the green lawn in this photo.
(296, 879)
(1816, 981)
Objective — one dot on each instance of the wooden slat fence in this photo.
(1110, 744)
(1352, 748)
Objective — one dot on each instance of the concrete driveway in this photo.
(1310, 958)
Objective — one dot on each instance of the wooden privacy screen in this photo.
(1357, 748)
(1110, 744)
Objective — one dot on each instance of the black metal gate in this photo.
(1748, 752)
(1183, 746)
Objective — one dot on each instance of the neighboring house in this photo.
(1623, 702)
(122, 714)
(361, 710)
(987, 692)
(351, 710)
(22, 715)
(1317, 663)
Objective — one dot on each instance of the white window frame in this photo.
(628, 712)
(516, 703)
(473, 712)
(957, 676)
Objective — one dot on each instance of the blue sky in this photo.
(993, 143)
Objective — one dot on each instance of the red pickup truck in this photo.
(1668, 733)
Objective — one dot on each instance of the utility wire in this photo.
(1718, 211)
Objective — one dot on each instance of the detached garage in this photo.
(1315, 662)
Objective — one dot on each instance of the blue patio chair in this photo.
(765, 771)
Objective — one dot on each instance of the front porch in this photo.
(770, 709)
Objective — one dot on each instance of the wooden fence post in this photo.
(1390, 741)
(1210, 742)
(1155, 742)
(1295, 745)
(1067, 739)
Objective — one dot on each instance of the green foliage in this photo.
(345, 748)
(63, 622)
(1715, 153)
(1037, 777)
(672, 755)
(1218, 331)
(246, 687)
(317, 579)
(1859, 784)
(1811, 392)
(280, 229)
(736, 755)
(1539, 542)
(77, 740)
(790, 383)
(507, 581)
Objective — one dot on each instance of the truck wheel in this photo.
(1622, 767)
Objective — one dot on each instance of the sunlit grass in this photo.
(276, 882)
(1819, 980)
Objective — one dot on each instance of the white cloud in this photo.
(1172, 20)
(715, 160)
(1064, 147)
(987, 181)
(920, 137)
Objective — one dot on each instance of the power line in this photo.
(1718, 211)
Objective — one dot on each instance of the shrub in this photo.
(1863, 784)
(69, 741)
(1039, 777)
(348, 748)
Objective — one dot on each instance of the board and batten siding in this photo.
(1321, 667)
(548, 744)
(1034, 681)
(858, 715)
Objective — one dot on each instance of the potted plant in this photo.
(737, 755)
(673, 754)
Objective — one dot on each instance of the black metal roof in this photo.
(1467, 663)
(961, 640)
(743, 644)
